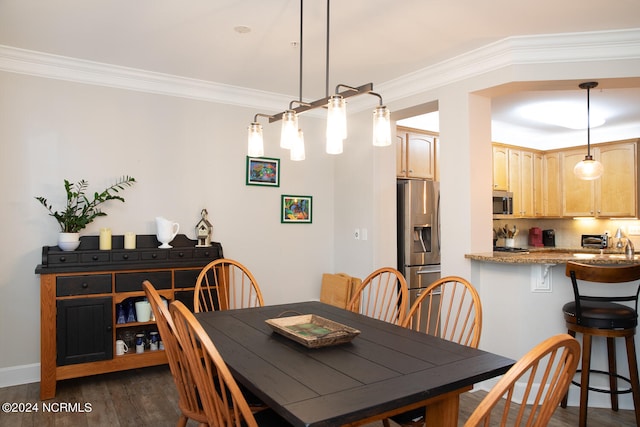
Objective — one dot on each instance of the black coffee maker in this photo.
(549, 237)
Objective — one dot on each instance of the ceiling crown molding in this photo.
(46, 65)
(540, 49)
(520, 50)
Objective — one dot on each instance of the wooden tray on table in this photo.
(313, 331)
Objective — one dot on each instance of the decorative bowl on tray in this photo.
(313, 331)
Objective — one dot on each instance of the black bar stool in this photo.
(604, 317)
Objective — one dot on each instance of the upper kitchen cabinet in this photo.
(415, 154)
(551, 185)
(500, 168)
(614, 194)
(518, 170)
(521, 181)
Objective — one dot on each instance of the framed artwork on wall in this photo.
(296, 209)
(263, 171)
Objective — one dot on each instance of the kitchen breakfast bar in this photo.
(522, 296)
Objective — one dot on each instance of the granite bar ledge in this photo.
(554, 256)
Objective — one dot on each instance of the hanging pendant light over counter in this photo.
(588, 169)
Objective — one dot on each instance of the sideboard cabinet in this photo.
(81, 290)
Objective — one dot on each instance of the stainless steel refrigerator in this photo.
(418, 233)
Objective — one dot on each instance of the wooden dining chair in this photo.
(222, 400)
(226, 284)
(383, 295)
(545, 372)
(448, 308)
(188, 399)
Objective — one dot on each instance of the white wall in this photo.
(186, 155)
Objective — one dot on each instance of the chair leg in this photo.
(563, 402)
(613, 371)
(633, 375)
(584, 380)
(385, 422)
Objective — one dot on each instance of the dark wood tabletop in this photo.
(384, 370)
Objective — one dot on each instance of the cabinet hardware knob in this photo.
(109, 327)
(63, 259)
(125, 256)
(154, 255)
(95, 257)
(85, 285)
(181, 254)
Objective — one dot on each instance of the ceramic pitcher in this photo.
(166, 231)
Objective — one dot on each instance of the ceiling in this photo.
(370, 41)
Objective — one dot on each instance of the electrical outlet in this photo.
(363, 234)
(356, 234)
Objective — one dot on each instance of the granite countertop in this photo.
(548, 255)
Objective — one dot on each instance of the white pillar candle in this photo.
(105, 239)
(129, 240)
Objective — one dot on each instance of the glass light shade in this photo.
(297, 150)
(337, 117)
(334, 144)
(255, 146)
(289, 132)
(588, 169)
(381, 126)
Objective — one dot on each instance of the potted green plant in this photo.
(80, 211)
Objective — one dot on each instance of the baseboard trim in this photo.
(18, 375)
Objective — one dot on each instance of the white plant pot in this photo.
(68, 241)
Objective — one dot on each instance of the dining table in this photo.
(383, 370)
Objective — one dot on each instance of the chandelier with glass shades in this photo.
(291, 136)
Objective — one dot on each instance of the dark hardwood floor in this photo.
(147, 397)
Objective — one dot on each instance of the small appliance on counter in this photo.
(535, 237)
(595, 241)
(549, 237)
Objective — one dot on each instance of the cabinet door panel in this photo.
(617, 186)
(552, 185)
(84, 330)
(401, 155)
(500, 168)
(578, 194)
(420, 149)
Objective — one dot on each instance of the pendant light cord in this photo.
(588, 124)
(326, 89)
(300, 81)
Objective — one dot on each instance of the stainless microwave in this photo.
(502, 203)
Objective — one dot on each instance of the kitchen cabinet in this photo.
(415, 153)
(551, 185)
(521, 181)
(538, 197)
(79, 293)
(612, 195)
(500, 168)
